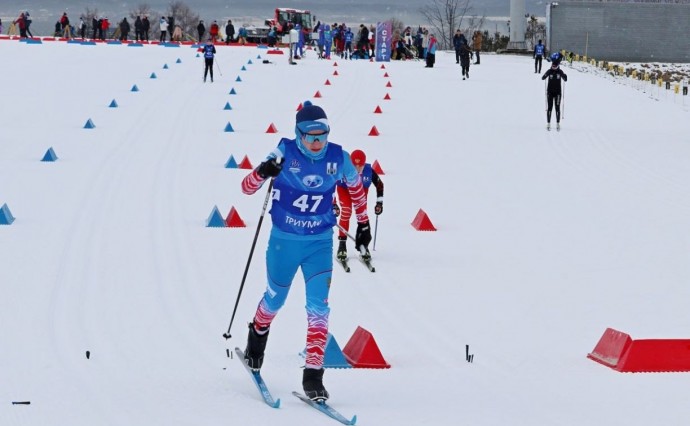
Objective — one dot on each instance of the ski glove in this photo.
(363, 237)
(379, 208)
(269, 168)
(336, 210)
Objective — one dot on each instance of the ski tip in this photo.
(354, 420)
(276, 404)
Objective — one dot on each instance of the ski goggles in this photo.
(310, 138)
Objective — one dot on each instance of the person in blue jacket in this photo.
(300, 42)
(209, 50)
(538, 55)
(349, 37)
(327, 41)
(305, 171)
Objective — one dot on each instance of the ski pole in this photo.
(227, 335)
(376, 227)
(563, 102)
(218, 66)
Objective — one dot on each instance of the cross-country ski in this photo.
(258, 381)
(326, 409)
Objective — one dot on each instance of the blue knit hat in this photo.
(311, 117)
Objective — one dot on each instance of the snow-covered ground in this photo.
(544, 240)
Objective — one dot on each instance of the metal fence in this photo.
(620, 31)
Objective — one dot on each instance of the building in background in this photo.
(621, 30)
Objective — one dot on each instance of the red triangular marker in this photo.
(299, 107)
(383, 67)
(389, 84)
(387, 97)
(245, 164)
(335, 72)
(361, 351)
(378, 110)
(317, 94)
(374, 131)
(377, 168)
(422, 222)
(234, 220)
(272, 129)
(385, 75)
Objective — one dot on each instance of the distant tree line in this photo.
(183, 15)
(446, 16)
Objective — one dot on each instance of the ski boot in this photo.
(558, 127)
(256, 345)
(342, 249)
(548, 126)
(312, 383)
(366, 255)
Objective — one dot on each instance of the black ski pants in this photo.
(537, 64)
(551, 99)
(208, 67)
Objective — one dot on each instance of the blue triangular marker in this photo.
(215, 219)
(250, 62)
(258, 56)
(232, 91)
(113, 104)
(228, 127)
(238, 78)
(243, 68)
(165, 67)
(49, 155)
(227, 106)
(89, 124)
(6, 217)
(197, 55)
(333, 357)
(153, 75)
(231, 163)
(135, 88)
(178, 61)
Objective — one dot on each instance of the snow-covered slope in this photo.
(544, 239)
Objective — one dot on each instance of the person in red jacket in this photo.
(213, 31)
(21, 23)
(369, 177)
(66, 29)
(105, 24)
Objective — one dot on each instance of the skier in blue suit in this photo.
(328, 41)
(300, 42)
(305, 171)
